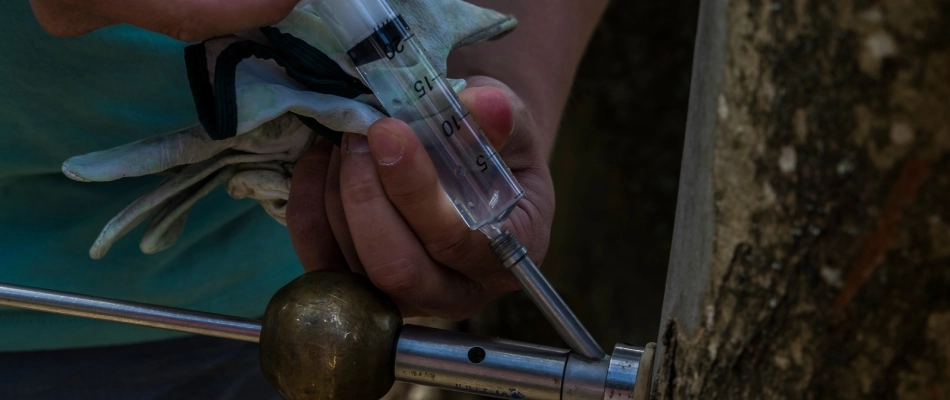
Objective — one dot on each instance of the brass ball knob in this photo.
(330, 335)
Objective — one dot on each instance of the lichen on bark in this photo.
(829, 275)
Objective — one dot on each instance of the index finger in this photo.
(307, 223)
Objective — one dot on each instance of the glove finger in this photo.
(174, 226)
(337, 113)
(166, 226)
(136, 212)
(268, 183)
(261, 185)
(285, 135)
(285, 169)
(120, 225)
(277, 209)
(144, 157)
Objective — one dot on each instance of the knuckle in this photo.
(533, 218)
(408, 191)
(396, 277)
(450, 249)
(360, 190)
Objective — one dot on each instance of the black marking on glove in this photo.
(314, 125)
(216, 103)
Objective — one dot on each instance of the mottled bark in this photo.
(811, 254)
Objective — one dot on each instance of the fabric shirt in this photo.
(61, 97)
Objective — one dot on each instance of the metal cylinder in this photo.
(130, 313)
(584, 379)
(486, 366)
(514, 257)
(622, 372)
(426, 356)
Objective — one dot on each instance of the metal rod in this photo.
(515, 257)
(443, 359)
(486, 366)
(130, 313)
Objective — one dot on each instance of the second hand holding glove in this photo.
(262, 99)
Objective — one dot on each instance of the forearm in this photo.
(539, 59)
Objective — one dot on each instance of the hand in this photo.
(186, 20)
(377, 203)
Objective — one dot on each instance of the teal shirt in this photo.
(61, 97)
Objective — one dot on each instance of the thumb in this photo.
(492, 110)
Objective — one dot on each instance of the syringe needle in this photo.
(515, 258)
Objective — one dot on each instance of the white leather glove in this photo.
(263, 98)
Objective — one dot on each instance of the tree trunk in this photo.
(811, 254)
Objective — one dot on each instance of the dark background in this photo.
(616, 168)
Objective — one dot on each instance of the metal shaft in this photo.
(515, 257)
(426, 356)
(130, 313)
(486, 366)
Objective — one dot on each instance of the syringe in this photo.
(394, 65)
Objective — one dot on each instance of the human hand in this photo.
(378, 200)
(186, 20)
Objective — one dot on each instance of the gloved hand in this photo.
(263, 98)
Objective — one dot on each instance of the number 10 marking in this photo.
(450, 127)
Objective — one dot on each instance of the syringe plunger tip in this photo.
(508, 249)
(491, 230)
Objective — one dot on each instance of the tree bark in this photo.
(811, 253)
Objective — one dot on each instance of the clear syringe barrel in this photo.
(396, 68)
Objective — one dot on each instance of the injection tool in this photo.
(394, 65)
(301, 351)
(333, 335)
(392, 62)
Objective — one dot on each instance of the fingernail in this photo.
(356, 143)
(387, 147)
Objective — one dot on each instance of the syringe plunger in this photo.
(353, 20)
